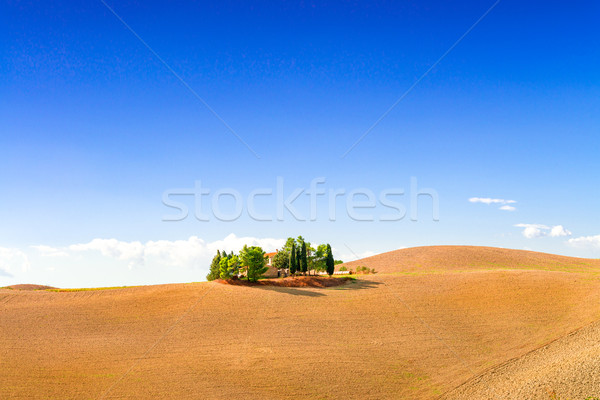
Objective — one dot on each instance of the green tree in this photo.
(214, 272)
(311, 258)
(224, 272)
(255, 260)
(293, 262)
(316, 260)
(287, 247)
(234, 263)
(229, 266)
(303, 258)
(281, 260)
(329, 262)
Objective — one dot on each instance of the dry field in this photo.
(567, 368)
(463, 258)
(438, 318)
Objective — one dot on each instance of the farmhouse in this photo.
(272, 272)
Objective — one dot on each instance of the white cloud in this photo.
(132, 252)
(531, 231)
(174, 253)
(234, 243)
(585, 241)
(487, 200)
(177, 253)
(12, 260)
(156, 260)
(559, 230)
(48, 251)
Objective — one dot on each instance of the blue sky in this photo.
(94, 128)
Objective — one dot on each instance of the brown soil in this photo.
(385, 336)
(292, 281)
(444, 258)
(27, 286)
(568, 368)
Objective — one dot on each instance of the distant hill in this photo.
(432, 258)
(28, 286)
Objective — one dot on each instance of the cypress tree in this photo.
(303, 259)
(293, 265)
(215, 272)
(298, 261)
(329, 261)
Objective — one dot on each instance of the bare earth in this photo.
(417, 332)
(462, 258)
(568, 368)
(28, 287)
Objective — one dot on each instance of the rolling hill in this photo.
(433, 320)
(461, 258)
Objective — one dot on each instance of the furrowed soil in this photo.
(568, 368)
(418, 331)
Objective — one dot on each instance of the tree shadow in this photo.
(357, 284)
(353, 284)
(308, 292)
(307, 287)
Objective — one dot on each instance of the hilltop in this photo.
(29, 286)
(460, 258)
(421, 330)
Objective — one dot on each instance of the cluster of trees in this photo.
(365, 270)
(251, 261)
(361, 270)
(297, 256)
